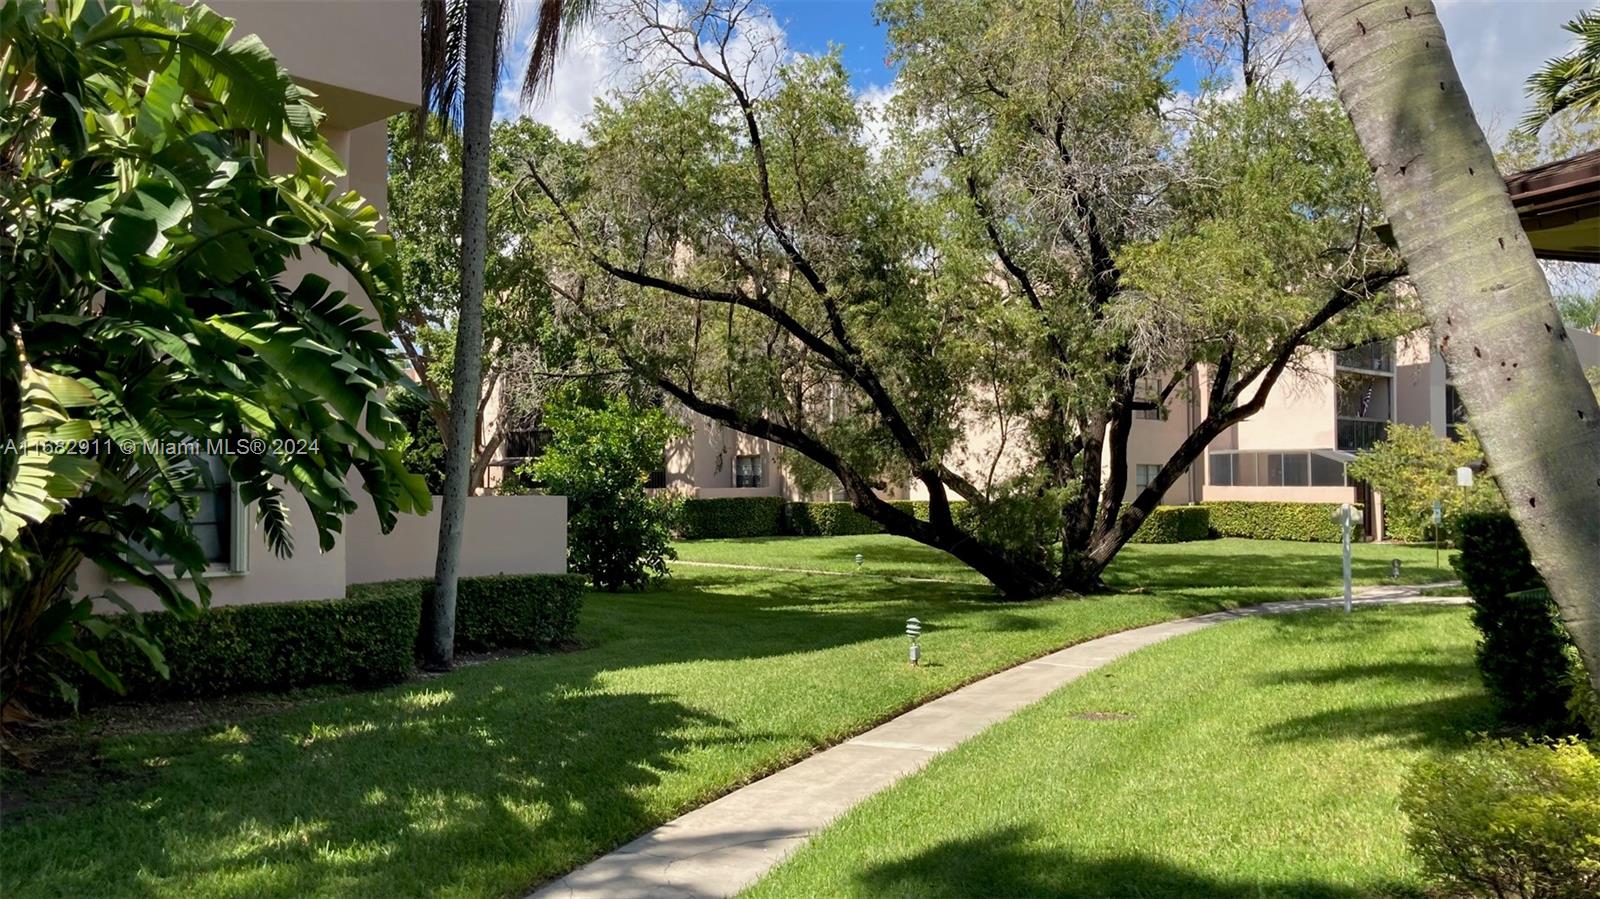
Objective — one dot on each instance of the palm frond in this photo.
(558, 19)
(1567, 82)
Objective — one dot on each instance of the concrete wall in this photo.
(362, 58)
(504, 535)
(1299, 412)
(1587, 345)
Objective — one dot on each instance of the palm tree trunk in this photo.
(1480, 284)
(482, 64)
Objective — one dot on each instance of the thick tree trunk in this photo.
(1482, 288)
(439, 618)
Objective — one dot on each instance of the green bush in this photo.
(1305, 522)
(363, 640)
(599, 458)
(1174, 524)
(1525, 653)
(1509, 819)
(827, 520)
(735, 516)
(503, 611)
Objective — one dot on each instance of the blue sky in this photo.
(812, 24)
(1497, 44)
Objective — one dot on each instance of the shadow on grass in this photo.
(484, 781)
(1009, 863)
(1158, 567)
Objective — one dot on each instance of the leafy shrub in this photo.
(738, 516)
(151, 289)
(826, 520)
(1413, 467)
(522, 611)
(599, 459)
(1509, 819)
(366, 639)
(1525, 653)
(1306, 522)
(1174, 524)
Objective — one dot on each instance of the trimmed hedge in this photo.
(1174, 524)
(736, 516)
(503, 611)
(827, 520)
(365, 640)
(1524, 655)
(1305, 522)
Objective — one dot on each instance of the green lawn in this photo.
(1265, 567)
(498, 776)
(1257, 758)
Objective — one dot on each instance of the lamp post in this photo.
(1347, 517)
(914, 631)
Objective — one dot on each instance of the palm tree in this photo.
(462, 42)
(1567, 82)
(1480, 285)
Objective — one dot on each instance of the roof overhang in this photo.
(1559, 204)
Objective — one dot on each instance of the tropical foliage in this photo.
(148, 309)
(1571, 81)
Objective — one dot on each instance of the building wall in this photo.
(504, 535)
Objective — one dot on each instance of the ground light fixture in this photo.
(914, 631)
(859, 559)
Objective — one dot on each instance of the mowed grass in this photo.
(1257, 758)
(1270, 569)
(496, 777)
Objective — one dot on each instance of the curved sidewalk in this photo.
(726, 845)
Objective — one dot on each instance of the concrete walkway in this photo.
(722, 847)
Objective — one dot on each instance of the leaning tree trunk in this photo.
(482, 35)
(1480, 284)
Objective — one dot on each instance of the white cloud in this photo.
(589, 65)
(873, 101)
(1497, 44)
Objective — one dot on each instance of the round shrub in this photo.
(1509, 819)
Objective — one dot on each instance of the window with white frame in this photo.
(1145, 475)
(747, 471)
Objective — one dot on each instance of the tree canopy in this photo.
(1036, 252)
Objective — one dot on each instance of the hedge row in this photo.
(1525, 655)
(1174, 524)
(280, 646)
(505, 611)
(740, 516)
(1306, 522)
(366, 639)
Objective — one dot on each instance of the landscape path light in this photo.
(914, 631)
(859, 559)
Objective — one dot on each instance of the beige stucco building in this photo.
(1320, 413)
